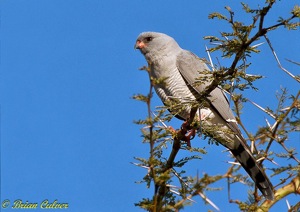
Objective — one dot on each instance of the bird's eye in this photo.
(149, 39)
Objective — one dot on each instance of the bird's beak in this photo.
(139, 44)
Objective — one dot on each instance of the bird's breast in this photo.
(174, 87)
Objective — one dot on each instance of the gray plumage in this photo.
(180, 68)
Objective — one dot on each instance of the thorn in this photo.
(219, 44)
(175, 192)
(209, 201)
(274, 125)
(288, 204)
(257, 45)
(268, 123)
(209, 57)
(278, 62)
(160, 120)
(234, 163)
(284, 109)
(273, 161)
(191, 200)
(253, 75)
(171, 186)
(262, 158)
(267, 112)
(145, 167)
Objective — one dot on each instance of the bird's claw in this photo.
(190, 135)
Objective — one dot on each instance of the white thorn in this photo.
(209, 57)
(272, 161)
(145, 167)
(160, 120)
(258, 45)
(209, 201)
(270, 114)
(268, 123)
(171, 186)
(288, 204)
(278, 61)
(175, 192)
(234, 163)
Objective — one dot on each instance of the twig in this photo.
(297, 63)
(291, 155)
(205, 198)
(255, 104)
(179, 135)
(261, 108)
(277, 60)
(279, 120)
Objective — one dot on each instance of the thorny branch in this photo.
(243, 47)
(277, 60)
(292, 187)
(161, 187)
(279, 120)
(179, 136)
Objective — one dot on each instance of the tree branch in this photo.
(292, 187)
(278, 62)
(178, 137)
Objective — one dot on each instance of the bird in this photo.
(179, 69)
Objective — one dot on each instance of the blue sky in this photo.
(68, 72)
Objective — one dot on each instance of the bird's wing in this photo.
(191, 67)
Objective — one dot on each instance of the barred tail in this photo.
(248, 162)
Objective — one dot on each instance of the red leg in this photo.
(190, 134)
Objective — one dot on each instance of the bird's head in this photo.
(151, 42)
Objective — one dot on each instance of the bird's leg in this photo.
(189, 133)
(186, 133)
(190, 136)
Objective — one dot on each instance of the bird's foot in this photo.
(189, 136)
(189, 133)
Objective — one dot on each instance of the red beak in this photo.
(139, 44)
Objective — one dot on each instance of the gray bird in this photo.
(179, 68)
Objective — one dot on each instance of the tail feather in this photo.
(248, 162)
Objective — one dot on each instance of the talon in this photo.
(190, 136)
(190, 133)
(184, 125)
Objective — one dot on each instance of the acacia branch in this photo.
(219, 77)
(162, 190)
(280, 120)
(292, 187)
(278, 62)
(179, 136)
